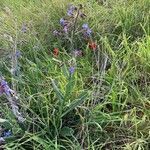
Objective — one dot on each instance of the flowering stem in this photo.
(12, 100)
(12, 97)
(15, 108)
(14, 62)
(74, 27)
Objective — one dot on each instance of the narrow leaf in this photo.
(66, 131)
(57, 91)
(5, 123)
(82, 97)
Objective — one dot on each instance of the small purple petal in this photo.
(69, 13)
(71, 70)
(85, 26)
(62, 21)
(77, 53)
(7, 133)
(88, 32)
(70, 10)
(65, 29)
(3, 83)
(18, 54)
(4, 88)
(7, 90)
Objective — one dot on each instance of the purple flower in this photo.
(4, 88)
(18, 54)
(77, 53)
(70, 11)
(87, 31)
(65, 29)
(85, 26)
(71, 70)
(7, 133)
(62, 21)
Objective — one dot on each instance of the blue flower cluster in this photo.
(87, 30)
(4, 135)
(64, 24)
(71, 10)
(69, 22)
(72, 70)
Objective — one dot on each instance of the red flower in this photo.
(92, 45)
(56, 51)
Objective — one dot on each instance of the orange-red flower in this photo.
(56, 51)
(92, 45)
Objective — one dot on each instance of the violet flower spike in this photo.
(4, 88)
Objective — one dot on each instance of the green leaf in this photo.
(82, 97)
(2, 120)
(5, 123)
(65, 71)
(66, 131)
(69, 88)
(57, 91)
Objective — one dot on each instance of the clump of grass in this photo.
(97, 96)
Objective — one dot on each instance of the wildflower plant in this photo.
(72, 32)
(97, 101)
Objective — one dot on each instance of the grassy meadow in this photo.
(75, 78)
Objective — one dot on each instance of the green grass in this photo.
(105, 104)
